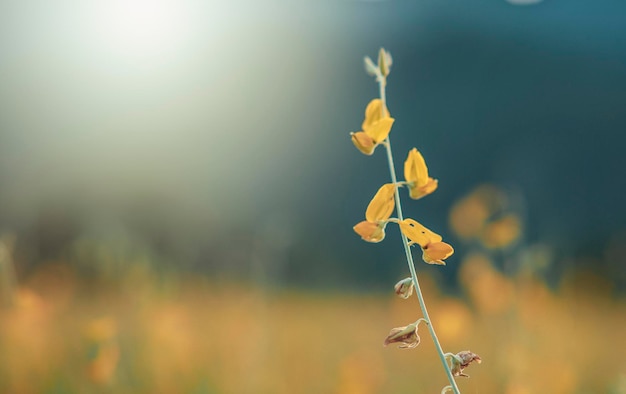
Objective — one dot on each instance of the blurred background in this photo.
(178, 190)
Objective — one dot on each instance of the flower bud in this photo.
(384, 62)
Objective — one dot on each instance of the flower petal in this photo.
(370, 232)
(363, 142)
(436, 252)
(418, 233)
(417, 192)
(382, 205)
(380, 129)
(373, 113)
(415, 170)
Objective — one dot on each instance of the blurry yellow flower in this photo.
(376, 127)
(462, 360)
(454, 320)
(101, 369)
(101, 329)
(483, 214)
(372, 229)
(407, 336)
(434, 251)
(404, 288)
(482, 280)
(416, 176)
(103, 333)
(502, 232)
(469, 215)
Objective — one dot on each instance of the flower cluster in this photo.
(376, 128)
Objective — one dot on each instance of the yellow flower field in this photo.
(172, 334)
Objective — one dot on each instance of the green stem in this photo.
(407, 248)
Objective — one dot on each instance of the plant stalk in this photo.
(405, 242)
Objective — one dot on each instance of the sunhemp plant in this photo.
(375, 131)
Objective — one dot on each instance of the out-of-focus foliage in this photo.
(486, 215)
(148, 333)
(106, 318)
(169, 176)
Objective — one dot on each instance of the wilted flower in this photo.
(376, 127)
(372, 229)
(416, 176)
(462, 360)
(407, 336)
(434, 251)
(404, 288)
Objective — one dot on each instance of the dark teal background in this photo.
(530, 98)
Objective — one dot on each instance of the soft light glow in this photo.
(141, 28)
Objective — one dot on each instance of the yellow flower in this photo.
(372, 229)
(363, 142)
(417, 233)
(382, 205)
(434, 251)
(502, 232)
(376, 128)
(370, 232)
(416, 176)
